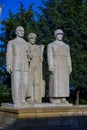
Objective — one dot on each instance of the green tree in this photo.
(70, 16)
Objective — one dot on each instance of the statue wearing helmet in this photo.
(59, 63)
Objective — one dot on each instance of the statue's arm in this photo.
(50, 58)
(28, 52)
(69, 61)
(9, 58)
(41, 52)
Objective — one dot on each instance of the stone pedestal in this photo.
(48, 118)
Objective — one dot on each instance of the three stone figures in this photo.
(24, 63)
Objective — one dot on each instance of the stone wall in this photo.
(58, 123)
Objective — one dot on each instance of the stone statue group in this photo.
(24, 63)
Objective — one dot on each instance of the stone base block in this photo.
(36, 105)
(40, 118)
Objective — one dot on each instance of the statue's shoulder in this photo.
(25, 41)
(66, 45)
(51, 44)
(37, 46)
(11, 41)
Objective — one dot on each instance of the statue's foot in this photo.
(17, 104)
(29, 101)
(24, 102)
(55, 101)
(37, 102)
(63, 100)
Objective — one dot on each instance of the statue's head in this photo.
(58, 34)
(20, 31)
(32, 38)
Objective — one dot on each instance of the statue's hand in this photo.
(51, 69)
(29, 56)
(9, 69)
(42, 47)
(70, 70)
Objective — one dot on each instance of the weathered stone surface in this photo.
(17, 66)
(24, 63)
(59, 64)
(36, 87)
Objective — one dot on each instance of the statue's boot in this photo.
(63, 100)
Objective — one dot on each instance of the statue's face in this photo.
(32, 40)
(59, 37)
(20, 32)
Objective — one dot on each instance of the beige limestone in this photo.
(17, 66)
(36, 88)
(59, 63)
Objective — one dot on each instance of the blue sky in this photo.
(13, 5)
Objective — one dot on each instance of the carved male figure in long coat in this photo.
(59, 62)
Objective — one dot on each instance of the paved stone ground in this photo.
(58, 123)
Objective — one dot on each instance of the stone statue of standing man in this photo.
(59, 63)
(17, 66)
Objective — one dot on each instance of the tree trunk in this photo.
(77, 98)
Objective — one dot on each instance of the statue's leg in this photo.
(31, 84)
(37, 93)
(30, 93)
(15, 78)
(24, 86)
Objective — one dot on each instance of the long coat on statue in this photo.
(59, 57)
